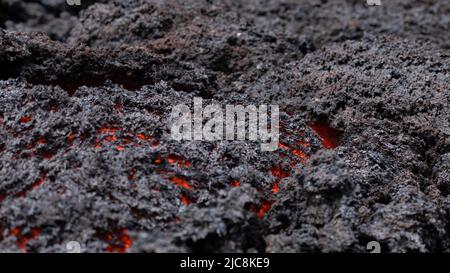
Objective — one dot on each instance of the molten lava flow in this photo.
(25, 119)
(108, 134)
(158, 160)
(109, 130)
(97, 144)
(283, 146)
(181, 182)
(300, 154)
(236, 183)
(181, 162)
(304, 143)
(184, 200)
(111, 138)
(23, 239)
(276, 187)
(119, 241)
(329, 136)
(144, 137)
(265, 206)
(278, 172)
(120, 148)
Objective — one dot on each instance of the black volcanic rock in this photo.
(86, 153)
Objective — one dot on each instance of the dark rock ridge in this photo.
(86, 153)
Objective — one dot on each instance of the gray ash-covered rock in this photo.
(86, 153)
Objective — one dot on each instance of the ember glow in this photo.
(182, 182)
(329, 136)
(224, 126)
(236, 183)
(118, 241)
(23, 239)
(185, 200)
(264, 208)
(25, 119)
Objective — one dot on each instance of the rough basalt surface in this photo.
(86, 153)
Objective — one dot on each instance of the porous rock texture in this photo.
(86, 153)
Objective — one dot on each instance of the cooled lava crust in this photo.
(86, 153)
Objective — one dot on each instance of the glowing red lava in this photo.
(236, 183)
(300, 154)
(276, 187)
(265, 206)
(120, 148)
(143, 137)
(119, 241)
(181, 162)
(329, 136)
(283, 146)
(25, 119)
(23, 239)
(184, 200)
(158, 160)
(111, 138)
(181, 182)
(278, 172)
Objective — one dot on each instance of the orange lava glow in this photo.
(119, 241)
(181, 162)
(265, 206)
(278, 172)
(25, 119)
(304, 143)
(276, 187)
(23, 239)
(120, 148)
(184, 200)
(181, 182)
(236, 183)
(111, 138)
(329, 136)
(283, 146)
(107, 135)
(158, 160)
(109, 130)
(300, 154)
(143, 137)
